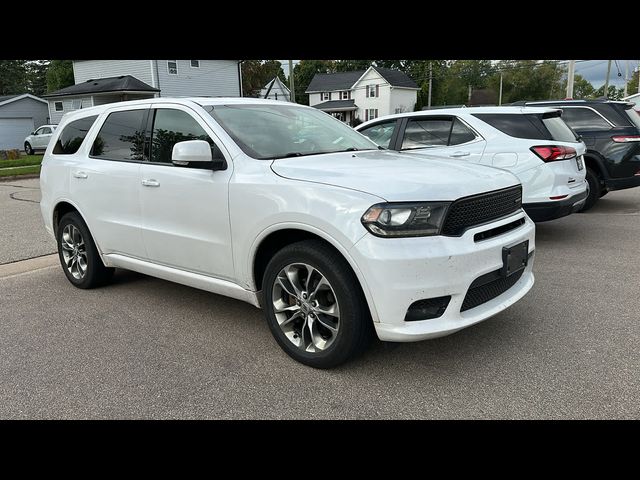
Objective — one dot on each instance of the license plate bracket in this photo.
(514, 258)
(580, 162)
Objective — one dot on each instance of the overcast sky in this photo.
(593, 70)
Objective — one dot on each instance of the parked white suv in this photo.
(287, 208)
(39, 139)
(533, 143)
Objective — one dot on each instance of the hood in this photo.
(395, 177)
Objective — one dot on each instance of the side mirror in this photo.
(197, 154)
(33, 133)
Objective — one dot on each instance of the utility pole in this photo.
(500, 95)
(626, 77)
(469, 97)
(606, 82)
(430, 85)
(571, 74)
(291, 82)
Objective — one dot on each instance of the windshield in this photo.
(270, 131)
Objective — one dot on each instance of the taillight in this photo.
(626, 138)
(551, 153)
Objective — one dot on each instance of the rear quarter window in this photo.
(547, 126)
(72, 135)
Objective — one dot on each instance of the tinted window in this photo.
(426, 132)
(170, 127)
(380, 133)
(634, 116)
(559, 129)
(515, 125)
(72, 136)
(583, 118)
(121, 136)
(460, 133)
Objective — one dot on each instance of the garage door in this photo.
(13, 131)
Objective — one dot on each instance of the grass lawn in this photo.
(7, 172)
(21, 162)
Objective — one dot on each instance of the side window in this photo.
(121, 136)
(38, 131)
(380, 133)
(460, 133)
(426, 132)
(45, 131)
(170, 127)
(72, 135)
(583, 118)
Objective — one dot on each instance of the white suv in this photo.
(39, 139)
(286, 208)
(533, 143)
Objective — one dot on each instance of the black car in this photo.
(611, 131)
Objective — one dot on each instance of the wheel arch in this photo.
(594, 161)
(276, 238)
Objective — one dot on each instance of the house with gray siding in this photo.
(19, 116)
(162, 78)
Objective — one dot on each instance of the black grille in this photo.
(427, 308)
(475, 210)
(479, 294)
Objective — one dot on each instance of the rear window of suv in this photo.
(531, 126)
(72, 135)
(634, 116)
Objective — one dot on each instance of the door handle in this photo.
(150, 182)
(460, 154)
(80, 175)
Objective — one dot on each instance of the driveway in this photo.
(146, 348)
(22, 234)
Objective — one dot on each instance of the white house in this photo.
(104, 81)
(276, 90)
(363, 94)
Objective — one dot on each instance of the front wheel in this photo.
(314, 306)
(28, 149)
(78, 254)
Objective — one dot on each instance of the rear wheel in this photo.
(28, 149)
(314, 306)
(78, 254)
(595, 190)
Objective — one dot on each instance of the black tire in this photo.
(603, 192)
(96, 273)
(355, 325)
(595, 190)
(28, 149)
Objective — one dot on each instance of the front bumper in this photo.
(401, 271)
(545, 211)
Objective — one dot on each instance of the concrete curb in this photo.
(24, 266)
(11, 178)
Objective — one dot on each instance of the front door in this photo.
(444, 137)
(41, 138)
(185, 211)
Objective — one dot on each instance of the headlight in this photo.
(417, 219)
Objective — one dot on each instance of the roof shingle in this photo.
(109, 84)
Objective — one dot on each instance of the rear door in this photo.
(185, 211)
(106, 181)
(442, 136)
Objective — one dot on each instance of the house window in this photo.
(58, 106)
(324, 96)
(195, 63)
(76, 103)
(172, 66)
(371, 113)
(372, 90)
(344, 95)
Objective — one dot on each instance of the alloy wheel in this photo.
(74, 251)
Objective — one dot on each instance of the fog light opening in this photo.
(427, 309)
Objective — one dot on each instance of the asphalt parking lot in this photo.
(146, 348)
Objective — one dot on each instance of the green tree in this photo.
(304, 72)
(527, 80)
(13, 77)
(613, 93)
(59, 75)
(351, 65)
(37, 76)
(257, 73)
(632, 84)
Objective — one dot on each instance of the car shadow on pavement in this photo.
(615, 204)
